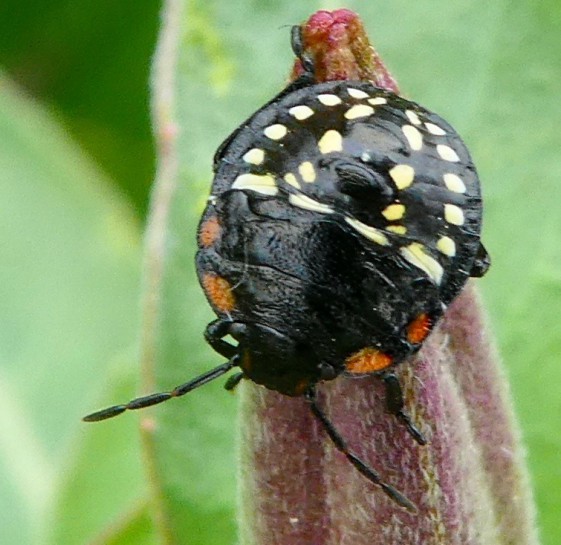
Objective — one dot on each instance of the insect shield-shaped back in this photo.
(343, 220)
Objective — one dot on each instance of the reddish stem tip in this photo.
(339, 46)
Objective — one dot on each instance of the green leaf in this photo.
(92, 68)
(68, 286)
(133, 528)
(99, 492)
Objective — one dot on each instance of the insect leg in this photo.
(361, 466)
(481, 264)
(297, 43)
(214, 333)
(394, 404)
(233, 381)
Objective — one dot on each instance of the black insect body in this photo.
(343, 220)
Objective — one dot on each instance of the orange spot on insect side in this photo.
(246, 362)
(209, 232)
(219, 291)
(419, 328)
(367, 360)
(301, 387)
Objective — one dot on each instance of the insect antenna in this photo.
(154, 399)
(362, 467)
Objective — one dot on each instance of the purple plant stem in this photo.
(486, 393)
(469, 483)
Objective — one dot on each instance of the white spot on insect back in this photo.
(447, 153)
(254, 156)
(329, 100)
(377, 101)
(416, 255)
(413, 117)
(447, 246)
(402, 175)
(307, 171)
(305, 202)
(453, 214)
(357, 93)
(264, 184)
(301, 112)
(371, 233)
(454, 183)
(435, 129)
(290, 179)
(359, 110)
(414, 137)
(330, 141)
(275, 132)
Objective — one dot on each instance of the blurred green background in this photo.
(76, 165)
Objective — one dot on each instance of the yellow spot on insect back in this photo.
(447, 246)
(371, 233)
(413, 117)
(397, 229)
(393, 212)
(275, 132)
(435, 129)
(360, 110)
(301, 112)
(415, 254)
(414, 137)
(454, 183)
(330, 141)
(290, 179)
(307, 171)
(254, 156)
(306, 203)
(453, 214)
(402, 175)
(264, 184)
(329, 100)
(447, 153)
(357, 93)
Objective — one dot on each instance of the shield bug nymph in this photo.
(343, 220)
